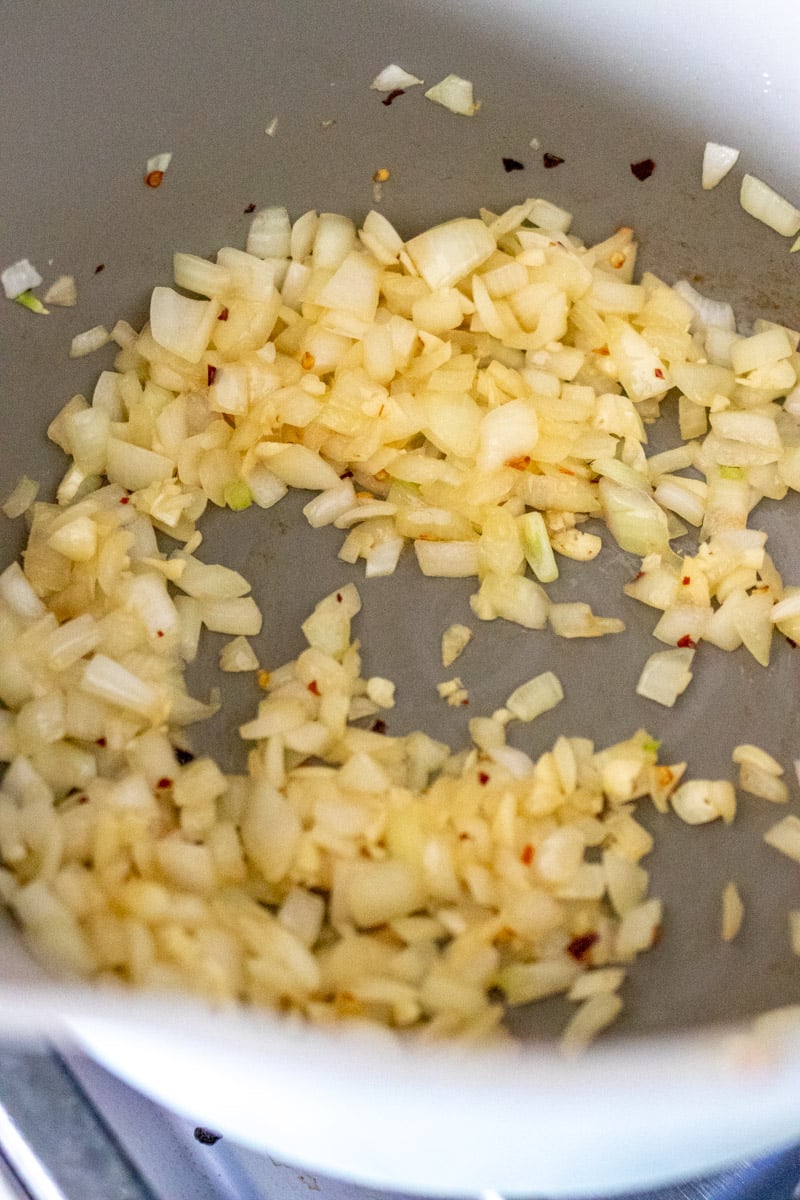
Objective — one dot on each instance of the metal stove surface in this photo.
(71, 1131)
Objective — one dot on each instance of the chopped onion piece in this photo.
(785, 837)
(89, 341)
(766, 205)
(718, 160)
(732, 912)
(794, 930)
(535, 697)
(21, 498)
(62, 292)
(454, 94)
(455, 640)
(446, 253)
(594, 1015)
(159, 162)
(392, 78)
(238, 655)
(18, 278)
(666, 675)
(702, 800)
(109, 680)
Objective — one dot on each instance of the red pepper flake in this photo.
(124, 499)
(483, 778)
(101, 741)
(659, 374)
(164, 783)
(211, 373)
(617, 260)
(83, 799)
(348, 474)
(250, 208)
(792, 643)
(307, 361)
(551, 160)
(644, 169)
(513, 164)
(638, 575)
(206, 1137)
(313, 687)
(378, 725)
(580, 946)
(687, 579)
(224, 314)
(687, 642)
(658, 933)
(159, 633)
(338, 597)
(465, 837)
(527, 854)
(394, 94)
(604, 350)
(519, 464)
(100, 267)
(154, 179)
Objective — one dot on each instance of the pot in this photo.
(684, 1085)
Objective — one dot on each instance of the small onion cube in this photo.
(62, 292)
(89, 341)
(18, 278)
(666, 675)
(535, 697)
(393, 78)
(732, 912)
(785, 837)
(761, 201)
(454, 94)
(718, 160)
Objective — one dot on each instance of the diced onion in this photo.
(393, 78)
(89, 341)
(766, 205)
(454, 94)
(535, 697)
(19, 278)
(732, 912)
(62, 292)
(718, 160)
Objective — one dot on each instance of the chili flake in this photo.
(644, 169)
(211, 373)
(551, 160)
(223, 314)
(154, 179)
(250, 208)
(313, 687)
(687, 642)
(527, 854)
(395, 94)
(513, 164)
(580, 946)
